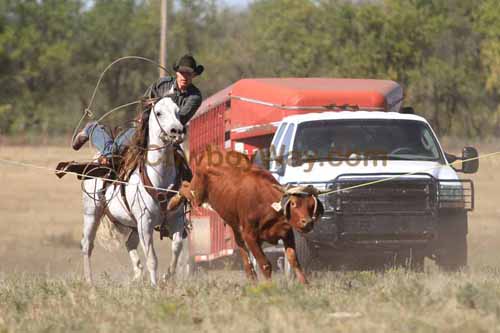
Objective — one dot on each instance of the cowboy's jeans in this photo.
(101, 139)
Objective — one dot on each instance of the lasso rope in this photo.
(19, 163)
(34, 166)
(408, 174)
(87, 112)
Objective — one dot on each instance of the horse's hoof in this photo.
(167, 276)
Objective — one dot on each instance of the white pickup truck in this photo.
(395, 199)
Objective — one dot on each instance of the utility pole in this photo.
(163, 38)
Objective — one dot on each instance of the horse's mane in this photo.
(136, 150)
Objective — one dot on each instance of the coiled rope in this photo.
(87, 112)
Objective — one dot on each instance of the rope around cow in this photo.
(406, 174)
(30, 165)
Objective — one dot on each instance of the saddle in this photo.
(86, 170)
(109, 168)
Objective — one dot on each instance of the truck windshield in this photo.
(389, 139)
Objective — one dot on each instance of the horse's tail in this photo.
(111, 236)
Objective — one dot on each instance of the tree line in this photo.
(446, 54)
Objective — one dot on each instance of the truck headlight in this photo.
(328, 202)
(451, 196)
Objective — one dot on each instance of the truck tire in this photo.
(451, 247)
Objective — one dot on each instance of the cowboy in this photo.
(180, 88)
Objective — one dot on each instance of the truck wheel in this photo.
(452, 241)
(304, 255)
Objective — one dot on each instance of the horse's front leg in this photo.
(145, 231)
(132, 243)
(176, 252)
(92, 213)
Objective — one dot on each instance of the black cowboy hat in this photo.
(187, 63)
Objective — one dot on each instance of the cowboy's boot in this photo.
(82, 137)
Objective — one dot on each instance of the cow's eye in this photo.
(293, 204)
(158, 114)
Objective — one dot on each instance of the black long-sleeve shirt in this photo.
(188, 101)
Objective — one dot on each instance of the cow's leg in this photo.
(145, 230)
(289, 243)
(92, 213)
(132, 243)
(245, 256)
(255, 247)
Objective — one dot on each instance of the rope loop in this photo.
(89, 113)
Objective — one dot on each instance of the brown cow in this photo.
(253, 204)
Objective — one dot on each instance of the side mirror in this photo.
(450, 157)
(407, 110)
(470, 166)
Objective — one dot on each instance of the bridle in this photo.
(164, 135)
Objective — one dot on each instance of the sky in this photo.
(236, 3)
(232, 3)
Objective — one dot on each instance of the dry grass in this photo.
(41, 289)
(223, 301)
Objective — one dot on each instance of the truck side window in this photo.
(275, 143)
(428, 143)
(279, 135)
(280, 144)
(285, 144)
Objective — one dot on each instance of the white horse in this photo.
(164, 129)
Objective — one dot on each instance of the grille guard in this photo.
(430, 194)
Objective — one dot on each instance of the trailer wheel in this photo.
(452, 241)
(304, 254)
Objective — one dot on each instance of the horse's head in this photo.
(164, 122)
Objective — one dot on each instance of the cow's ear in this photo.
(287, 210)
(285, 203)
(318, 207)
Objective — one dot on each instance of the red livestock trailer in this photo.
(244, 117)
